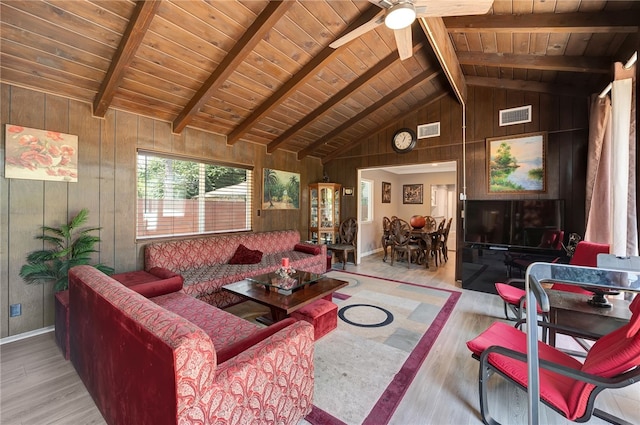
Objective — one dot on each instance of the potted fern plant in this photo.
(70, 246)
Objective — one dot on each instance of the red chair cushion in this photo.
(554, 388)
(586, 253)
(512, 295)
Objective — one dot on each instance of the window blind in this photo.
(180, 196)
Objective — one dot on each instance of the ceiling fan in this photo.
(400, 14)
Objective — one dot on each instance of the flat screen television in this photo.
(517, 223)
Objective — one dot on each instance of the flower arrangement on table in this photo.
(284, 274)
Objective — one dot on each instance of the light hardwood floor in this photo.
(40, 387)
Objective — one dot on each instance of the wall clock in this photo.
(404, 140)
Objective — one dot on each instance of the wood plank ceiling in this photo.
(263, 71)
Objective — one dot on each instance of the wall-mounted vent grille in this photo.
(429, 130)
(513, 116)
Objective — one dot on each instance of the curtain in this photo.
(611, 170)
(598, 192)
(624, 226)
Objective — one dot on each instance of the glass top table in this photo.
(285, 285)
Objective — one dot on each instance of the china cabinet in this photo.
(324, 212)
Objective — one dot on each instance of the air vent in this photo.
(513, 116)
(429, 130)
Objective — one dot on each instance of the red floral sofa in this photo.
(173, 359)
(204, 262)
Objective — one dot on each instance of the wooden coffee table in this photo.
(282, 305)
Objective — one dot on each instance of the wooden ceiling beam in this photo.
(592, 65)
(249, 40)
(131, 39)
(392, 121)
(301, 77)
(533, 86)
(423, 77)
(356, 84)
(577, 22)
(443, 48)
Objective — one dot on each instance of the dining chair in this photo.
(386, 236)
(568, 386)
(445, 238)
(346, 241)
(436, 242)
(401, 241)
(430, 223)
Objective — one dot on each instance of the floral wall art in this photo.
(40, 155)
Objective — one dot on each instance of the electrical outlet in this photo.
(15, 310)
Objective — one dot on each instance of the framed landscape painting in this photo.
(516, 164)
(412, 194)
(280, 190)
(40, 154)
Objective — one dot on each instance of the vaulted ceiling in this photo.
(264, 72)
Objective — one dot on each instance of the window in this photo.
(178, 197)
(366, 200)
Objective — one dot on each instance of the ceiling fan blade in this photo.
(362, 29)
(403, 40)
(452, 7)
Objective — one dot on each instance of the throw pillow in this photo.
(244, 255)
(307, 249)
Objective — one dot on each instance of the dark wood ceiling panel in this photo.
(97, 14)
(47, 31)
(95, 29)
(290, 90)
(56, 77)
(44, 83)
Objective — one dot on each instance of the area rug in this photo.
(386, 329)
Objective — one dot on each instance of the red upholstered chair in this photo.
(566, 385)
(586, 254)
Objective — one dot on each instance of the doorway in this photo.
(387, 199)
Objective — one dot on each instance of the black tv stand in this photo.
(484, 264)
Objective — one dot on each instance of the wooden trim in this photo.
(355, 85)
(533, 86)
(578, 22)
(423, 77)
(552, 63)
(301, 77)
(390, 122)
(443, 48)
(252, 36)
(140, 20)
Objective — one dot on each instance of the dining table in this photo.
(424, 235)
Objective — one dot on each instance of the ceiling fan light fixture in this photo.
(400, 15)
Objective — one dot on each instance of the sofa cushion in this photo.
(244, 255)
(222, 327)
(307, 248)
(225, 353)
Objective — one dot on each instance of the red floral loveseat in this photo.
(173, 359)
(204, 262)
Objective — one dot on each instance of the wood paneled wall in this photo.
(564, 118)
(107, 187)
